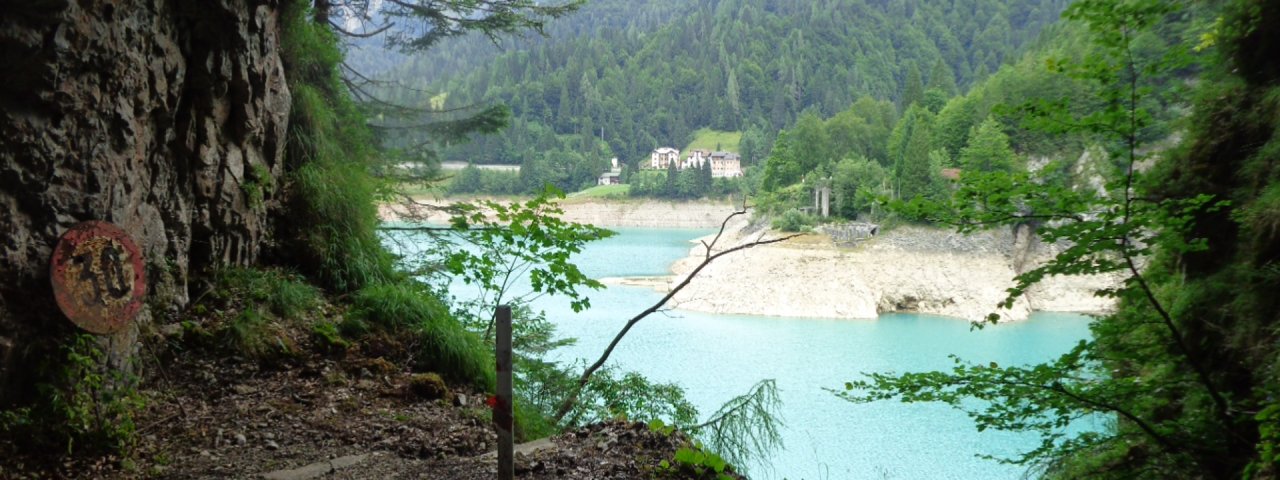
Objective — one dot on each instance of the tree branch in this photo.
(572, 399)
(1220, 403)
(339, 29)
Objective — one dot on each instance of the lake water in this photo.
(717, 357)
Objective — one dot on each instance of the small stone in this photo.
(171, 330)
(240, 439)
(272, 445)
(460, 399)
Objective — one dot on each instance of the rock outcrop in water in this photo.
(165, 117)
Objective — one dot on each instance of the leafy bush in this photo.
(794, 221)
(81, 408)
(693, 460)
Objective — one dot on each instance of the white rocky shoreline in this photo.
(909, 269)
(601, 213)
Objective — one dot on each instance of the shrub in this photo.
(81, 407)
(794, 221)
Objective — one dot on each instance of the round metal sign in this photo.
(98, 277)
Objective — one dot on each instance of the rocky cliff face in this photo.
(165, 117)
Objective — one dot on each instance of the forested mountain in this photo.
(1019, 119)
(463, 55)
(644, 74)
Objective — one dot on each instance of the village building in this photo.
(695, 159)
(723, 164)
(613, 176)
(664, 156)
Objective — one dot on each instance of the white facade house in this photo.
(723, 164)
(695, 159)
(664, 156)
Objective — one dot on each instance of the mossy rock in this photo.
(375, 366)
(328, 339)
(428, 386)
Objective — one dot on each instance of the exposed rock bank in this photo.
(637, 214)
(909, 269)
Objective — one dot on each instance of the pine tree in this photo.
(671, 188)
(912, 90)
(731, 91)
(988, 149)
(942, 78)
(910, 151)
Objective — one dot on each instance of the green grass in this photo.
(331, 235)
(603, 191)
(286, 295)
(708, 139)
(251, 334)
(445, 346)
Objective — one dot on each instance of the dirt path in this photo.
(335, 418)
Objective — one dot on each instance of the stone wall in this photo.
(850, 233)
(165, 117)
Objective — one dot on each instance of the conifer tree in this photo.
(909, 149)
(988, 149)
(942, 78)
(912, 89)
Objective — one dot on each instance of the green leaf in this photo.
(686, 455)
(656, 424)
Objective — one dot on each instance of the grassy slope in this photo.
(708, 139)
(603, 191)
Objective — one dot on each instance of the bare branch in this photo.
(374, 33)
(572, 399)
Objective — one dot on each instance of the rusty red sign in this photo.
(98, 277)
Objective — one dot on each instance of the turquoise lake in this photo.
(717, 357)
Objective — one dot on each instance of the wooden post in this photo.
(503, 418)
